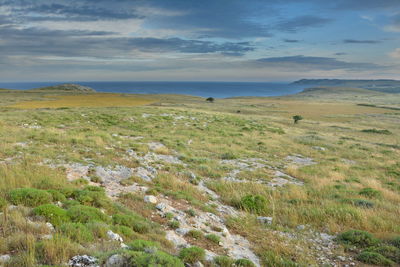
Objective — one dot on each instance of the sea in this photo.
(203, 89)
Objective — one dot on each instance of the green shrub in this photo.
(57, 195)
(359, 203)
(395, 242)
(29, 197)
(358, 238)
(169, 215)
(253, 203)
(174, 224)
(98, 229)
(191, 212)
(159, 258)
(272, 259)
(52, 213)
(92, 196)
(195, 234)
(192, 254)
(77, 232)
(244, 263)
(213, 238)
(56, 251)
(370, 192)
(390, 252)
(67, 191)
(126, 232)
(374, 258)
(134, 221)
(142, 245)
(3, 203)
(377, 131)
(69, 203)
(85, 214)
(224, 261)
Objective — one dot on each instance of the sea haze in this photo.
(204, 89)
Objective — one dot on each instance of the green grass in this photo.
(354, 185)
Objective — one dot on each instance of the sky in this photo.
(198, 40)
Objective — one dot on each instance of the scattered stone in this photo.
(301, 227)
(264, 220)
(319, 148)
(156, 146)
(300, 160)
(46, 237)
(116, 260)
(50, 226)
(114, 236)
(150, 199)
(4, 258)
(161, 207)
(282, 179)
(83, 261)
(198, 264)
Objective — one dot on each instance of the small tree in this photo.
(297, 118)
(210, 99)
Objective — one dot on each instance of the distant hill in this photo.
(338, 91)
(387, 86)
(66, 87)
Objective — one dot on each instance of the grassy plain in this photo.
(355, 166)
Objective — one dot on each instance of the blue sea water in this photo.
(203, 89)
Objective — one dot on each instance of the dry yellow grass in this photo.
(309, 109)
(90, 100)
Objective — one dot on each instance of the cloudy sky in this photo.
(198, 40)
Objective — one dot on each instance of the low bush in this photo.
(77, 232)
(134, 221)
(126, 232)
(244, 263)
(3, 203)
(57, 195)
(85, 214)
(374, 258)
(98, 229)
(376, 131)
(358, 238)
(395, 242)
(142, 245)
(174, 224)
(390, 252)
(56, 251)
(192, 254)
(197, 234)
(272, 259)
(159, 258)
(213, 238)
(370, 192)
(224, 261)
(52, 213)
(30, 197)
(92, 196)
(253, 203)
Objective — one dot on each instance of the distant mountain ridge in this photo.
(381, 85)
(66, 87)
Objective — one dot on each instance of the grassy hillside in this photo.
(234, 178)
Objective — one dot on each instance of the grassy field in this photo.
(84, 100)
(353, 185)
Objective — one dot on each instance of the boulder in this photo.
(83, 261)
(150, 199)
(116, 260)
(114, 236)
